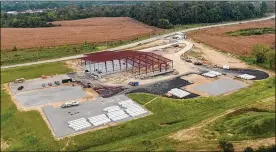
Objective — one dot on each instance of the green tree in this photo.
(266, 149)
(263, 7)
(248, 149)
(270, 56)
(259, 52)
(226, 146)
(164, 23)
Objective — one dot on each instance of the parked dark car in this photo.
(57, 83)
(20, 88)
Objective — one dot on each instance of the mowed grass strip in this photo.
(34, 71)
(251, 31)
(28, 131)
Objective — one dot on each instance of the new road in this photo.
(140, 42)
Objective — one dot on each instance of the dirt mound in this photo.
(74, 32)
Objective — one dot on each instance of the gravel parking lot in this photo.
(48, 95)
(220, 86)
(36, 83)
(59, 117)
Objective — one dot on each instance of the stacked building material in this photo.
(246, 76)
(99, 120)
(79, 124)
(117, 115)
(211, 74)
(132, 108)
(179, 93)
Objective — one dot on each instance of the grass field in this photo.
(251, 31)
(28, 131)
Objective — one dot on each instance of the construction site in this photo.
(95, 95)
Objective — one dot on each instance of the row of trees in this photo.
(25, 5)
(264, 53)
(160, 14)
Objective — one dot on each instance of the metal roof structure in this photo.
(116, 55)
(135, 58)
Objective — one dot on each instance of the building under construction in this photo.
(138, 63)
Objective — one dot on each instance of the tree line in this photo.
(160, 14)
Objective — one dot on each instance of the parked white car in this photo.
(70, 104)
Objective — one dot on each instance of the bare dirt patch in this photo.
(213, 57)
(240, 45)
(4, 145)
(96, 30)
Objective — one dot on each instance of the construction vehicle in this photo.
(133, 83)
(20, 80)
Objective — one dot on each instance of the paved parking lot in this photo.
(48, 95)
(59, 117)
(36, 83)
(220, 86)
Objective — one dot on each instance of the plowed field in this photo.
(240, 45)
(100, 29)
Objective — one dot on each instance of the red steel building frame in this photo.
(135, 58)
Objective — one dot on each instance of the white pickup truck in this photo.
(70, 104)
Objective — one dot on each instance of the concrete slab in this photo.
(58, 117)
(36, 83)
(48, 95)
(220, 86)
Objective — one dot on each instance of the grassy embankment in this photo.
(28, 131)
(38, 54)
(252, 122)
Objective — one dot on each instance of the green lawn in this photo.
(28, 131)
(252, 31)
(34, 71)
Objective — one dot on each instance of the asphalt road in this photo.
(136, 43)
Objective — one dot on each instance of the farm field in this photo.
(92, 30)
(239, 45)
(148, 133)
